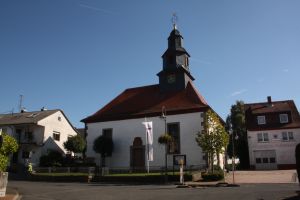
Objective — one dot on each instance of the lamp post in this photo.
(164, 117)
(233, 157)
(233, 138)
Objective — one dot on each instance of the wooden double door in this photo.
(137, 155)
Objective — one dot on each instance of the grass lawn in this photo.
(61, 174)
(120, 174)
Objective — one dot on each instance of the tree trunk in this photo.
(218, 159)
(102, 161)
(212, 162)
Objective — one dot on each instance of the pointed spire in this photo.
(174, 21)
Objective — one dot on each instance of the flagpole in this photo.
(147, 147)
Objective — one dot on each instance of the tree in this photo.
(213, 139)
(75, 144)
(236, 120)
(165, 139)
(104, 146)
(9, 145)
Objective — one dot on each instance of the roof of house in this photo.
(272, 109)
(148, 101)
(25, 117)
(29, 117)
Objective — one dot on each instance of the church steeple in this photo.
(175, 73)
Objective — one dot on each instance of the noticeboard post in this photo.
(180, 160)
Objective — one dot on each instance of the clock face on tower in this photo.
(171, 78)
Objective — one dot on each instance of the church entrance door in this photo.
(137, 155)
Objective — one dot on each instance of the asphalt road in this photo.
(84, 191)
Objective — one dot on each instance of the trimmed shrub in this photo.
(216, 176)
(52, 159)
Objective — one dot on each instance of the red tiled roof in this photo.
(272, 111)
(148, 101)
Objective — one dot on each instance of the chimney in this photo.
(269, 101)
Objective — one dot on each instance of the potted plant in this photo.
(8, 145)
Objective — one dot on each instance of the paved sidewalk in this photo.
(251, 177)
(274, 176)
(11, 194)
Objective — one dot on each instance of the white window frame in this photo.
(264, 137)
(284, 118)
(289, 136)
(261, 119)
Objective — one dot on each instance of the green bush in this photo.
(52, 159)
(216, 176)
(8, 146)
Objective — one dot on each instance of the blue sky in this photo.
(77, 55)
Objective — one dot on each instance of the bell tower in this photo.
(175, 73)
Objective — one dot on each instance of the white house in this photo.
(37, 133)
(273, 130)
(174, 106)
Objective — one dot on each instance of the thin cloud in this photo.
(83, 5)
(200, 61)
(286, 70)
(239, 92)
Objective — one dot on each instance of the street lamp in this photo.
(233, 153)
(232, 158)
(164, 117)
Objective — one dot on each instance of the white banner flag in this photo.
(150, 152)
(149, 135)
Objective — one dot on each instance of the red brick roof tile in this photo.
(148, 101)
(272, 111)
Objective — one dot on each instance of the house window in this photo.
(25, 154)
(56, 135)
(258, 160)
(287, 136)
(107, 132)
(28, 136)
(262, 137)
(272, 160)
(261, 120)
(284, 118)
(265, 160)
(173, 130)
(171, 59)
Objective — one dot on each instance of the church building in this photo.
(173, 105)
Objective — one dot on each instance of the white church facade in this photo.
(174, 105)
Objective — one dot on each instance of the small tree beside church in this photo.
(104, 146)
(213, 139)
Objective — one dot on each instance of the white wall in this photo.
(51, 124)
(285, 150)
(125, 131)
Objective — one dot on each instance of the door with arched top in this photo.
(137, 155)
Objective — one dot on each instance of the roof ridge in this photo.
(30, 112)
(265, 102)
(140, 87)
(199, 96)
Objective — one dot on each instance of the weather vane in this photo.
(174, 20)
